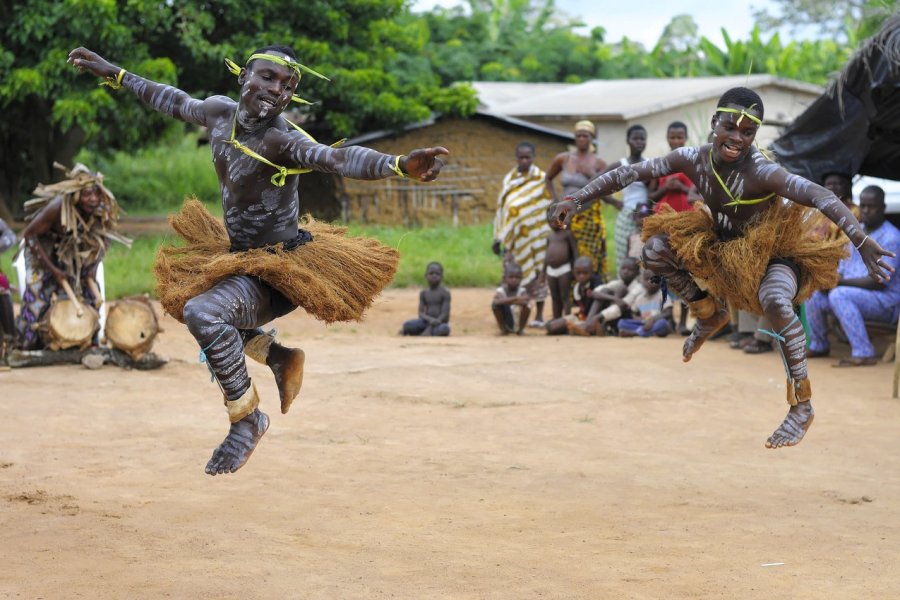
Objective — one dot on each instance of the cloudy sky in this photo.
(644, 21)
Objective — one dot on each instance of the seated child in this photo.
(562, 250)
(609, 304)
(434, 306)
(649, 315)
(512, 304)
(582, 295)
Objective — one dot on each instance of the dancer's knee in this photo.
(196, 316)
(657, 254)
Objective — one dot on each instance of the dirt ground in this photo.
(474, 466)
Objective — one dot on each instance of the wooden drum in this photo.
(132, 326)
(63, 327)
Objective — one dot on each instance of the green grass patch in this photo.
(465, 253)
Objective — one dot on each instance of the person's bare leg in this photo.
(235, 450)
(556, 298)
(565, 290)
(523, 320)
(499, 316)
(776, 294)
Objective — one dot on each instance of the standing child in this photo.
(651, 316)
(634, 193)
(434, 306)
(512, 304)
(562, 250)
(673, 190)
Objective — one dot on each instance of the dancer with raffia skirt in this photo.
(750, 243)
(230, 280)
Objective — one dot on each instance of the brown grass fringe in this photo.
(334, 277)
(733, 270)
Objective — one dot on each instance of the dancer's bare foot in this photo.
(703, 330)
(287, 365)
(239, 444)
(794, 427)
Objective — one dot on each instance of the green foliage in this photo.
(370, 48)
(156, 179)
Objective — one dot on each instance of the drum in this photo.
(63, 328)
(132, 326)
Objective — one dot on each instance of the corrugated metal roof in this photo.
(493, 94)
(620, 99)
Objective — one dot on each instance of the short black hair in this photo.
(275, 48)
(743, 97)
(634, 128)
(528, 145)
(511, 266)
(677, 125)
(847, 179)
(434, 263)
(879, 193)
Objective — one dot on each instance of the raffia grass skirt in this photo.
(732, 270)
(333, 277)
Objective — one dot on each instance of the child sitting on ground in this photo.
(512, 304)
(562, 250)
(650, 315)
(582, 295)
(434, 306)
(609, 304)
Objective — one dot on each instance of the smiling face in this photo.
(267, 87)
(732, 141)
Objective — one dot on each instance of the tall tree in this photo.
(49, 111)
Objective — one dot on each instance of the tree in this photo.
(49, 112)
(848, 21)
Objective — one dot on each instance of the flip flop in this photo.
(865, 361)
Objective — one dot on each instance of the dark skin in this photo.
(676, 138)
(48, 219)
(524, 160)
(627, 273)
(582, 160)
(582, 271)
(512, 280)
(740, 165)
(871, 213)
(839, 185)
(257, 212)
(562, 248)
(434, 303)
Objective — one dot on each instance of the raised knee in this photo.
(654, 251)
(194, 315)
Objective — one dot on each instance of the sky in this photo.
(644, 21)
